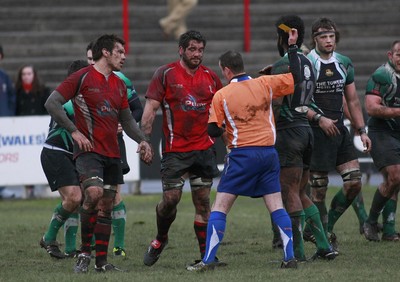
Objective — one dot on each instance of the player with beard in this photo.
(333, 145)
(183, 90)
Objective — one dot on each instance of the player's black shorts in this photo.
(59, 168)
(94, 166)
(385, 149)
(294, 146)
(200, 163)
(329, 152)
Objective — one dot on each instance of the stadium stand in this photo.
(50, 34)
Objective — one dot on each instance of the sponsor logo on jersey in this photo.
(104, 108)
(329, 72)
(189, 103)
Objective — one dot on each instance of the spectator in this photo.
(31, 95)
(7, 93)
(174, 24)
(7, 104)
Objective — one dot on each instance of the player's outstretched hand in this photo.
(146, 152)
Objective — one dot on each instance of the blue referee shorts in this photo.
(251, 171)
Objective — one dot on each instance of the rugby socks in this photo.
(118, 216)
(102, 232)
(215, 234)
(323, 213)
(163, 225)
(60, 215)
(359, 208)
(315, 225)
(88, 222)
(389, 217)
(339, 205)
(200, 228)
(277, 235)
(297, 219)
(70, 230)
(377, 205)
(282, 220)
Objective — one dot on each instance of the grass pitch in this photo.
(246, 247)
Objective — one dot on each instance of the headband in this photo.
(315, 34)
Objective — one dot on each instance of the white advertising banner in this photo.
(21, 142)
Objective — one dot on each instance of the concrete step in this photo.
(51, 34)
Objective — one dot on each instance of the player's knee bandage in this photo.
(109, 191)
(319, 181)
(93, 181)
(170, 184)
(199, 182)
(352, 174)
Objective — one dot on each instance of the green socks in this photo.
(323, 213)
(389, 217)
(314, 223)
(378, 204)
(59, 217)
(358, 206)
(118, 216)
(70, 230)
(339, 205)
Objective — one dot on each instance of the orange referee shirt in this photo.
(246, 109)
